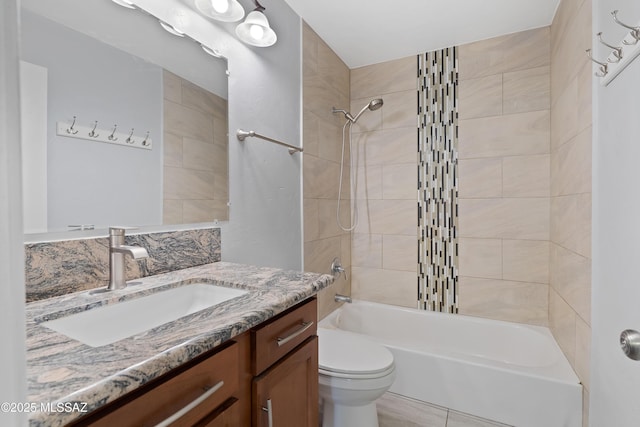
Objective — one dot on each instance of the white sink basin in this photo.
(111, 323)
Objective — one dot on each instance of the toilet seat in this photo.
(345, 355)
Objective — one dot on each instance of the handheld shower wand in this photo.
(373, 105)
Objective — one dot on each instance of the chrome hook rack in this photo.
(111, 136)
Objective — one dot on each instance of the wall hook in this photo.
(604, 67)
(93, 133)
(617, 51)
(70, 129)
(145, 142)
(129, 139)
(112, 137)
(635, 31)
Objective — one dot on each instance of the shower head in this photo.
(374, 105)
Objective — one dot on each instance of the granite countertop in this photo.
(62, 370)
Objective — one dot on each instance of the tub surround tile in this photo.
(570, 276)
(387, 217)
(571, 222)
(369, 182)
(384, 286)
(583, 351)
(386, 77)
(526, 260)
(58, 268)
(504, 300)
(370, 120)
(399, 109)
(562, 322)
(366, 250)
(526, 176)
(480, 97)
(399, 252)
(512, 52)
(527, 90)
(62, 369)
(399, 181)
(480, 178)
(571, 166)
(481, 258)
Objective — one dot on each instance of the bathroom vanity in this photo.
(252, 360)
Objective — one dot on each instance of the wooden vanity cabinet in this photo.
(275, 362)
(284, 391)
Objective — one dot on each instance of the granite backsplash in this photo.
(62, 267)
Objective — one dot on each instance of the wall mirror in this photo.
(149, 145)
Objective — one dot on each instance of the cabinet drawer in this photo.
(276, 337)
(174, 394)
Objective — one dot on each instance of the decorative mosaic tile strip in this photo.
(438, 180)
(58, 268)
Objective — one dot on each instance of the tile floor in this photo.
(399, 411)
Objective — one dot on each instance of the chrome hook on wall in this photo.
(70, 129)
(129, 139)
(145, 142)
(93, 133)
(617, 51)
(604, 67)
(635, 31)
(112, 137)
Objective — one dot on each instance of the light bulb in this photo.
(220, 6)
(256, 31)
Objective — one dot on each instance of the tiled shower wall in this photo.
(504, 152)
(384, 244)
(196, 171)
(325, 85)
(570, 290)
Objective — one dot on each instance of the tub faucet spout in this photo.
(117, 251)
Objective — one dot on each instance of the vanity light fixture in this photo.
(210, 51)
(255, 29)
(171, 29)
(221, 10)
(124, 3)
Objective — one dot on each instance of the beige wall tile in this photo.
(504, 300)
(388, 217)
(384, 286)
(583, 351)
(562, 322)
(480, 258)
(400, 181)
(391, 146)
(525, 218)
(326, 300)
(330, 141)
(527, 90)
(584, 96)
(327, 224)
(565, 13)
(333, 71)
(309, 51)
(526, 176)
(310, 133)
(570, 277)
(172, 86)
(318, 254)
(518, 51)
(400, 109)
(202, 100)
(571, 166)
(203, 155)
(345, 247)
(318, 97)
(511, 135)
(480, 178)
(172, 212)
(369, 120)
(321, 178)
(564, 120)
(366, 250)
(480, 97)
(187, 122)
(400, 253)
(369, 182)
(195, 211)
(571, 222)
(221, 131)
(526, 260)
(311, 219)
(585, 407)
(386, 77)
(188, 184)
(172, 150)
(569, 57)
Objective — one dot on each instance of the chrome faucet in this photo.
(117, 251)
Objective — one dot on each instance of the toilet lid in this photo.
(344, 352)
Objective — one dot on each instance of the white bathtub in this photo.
(507, 372)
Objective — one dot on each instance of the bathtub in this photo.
(507, 372)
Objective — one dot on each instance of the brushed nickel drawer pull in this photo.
(204, 396)
(303, 327)
(269, 411)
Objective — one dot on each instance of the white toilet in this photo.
(353, 373)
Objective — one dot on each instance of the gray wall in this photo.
(95, 81)
(265, 226)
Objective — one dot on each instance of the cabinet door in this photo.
(289, 389)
